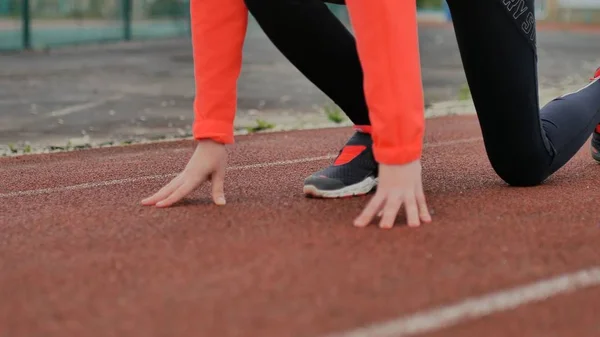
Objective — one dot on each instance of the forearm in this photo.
(387, 40)
(218, 32)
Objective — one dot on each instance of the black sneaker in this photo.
(595, 144)
(353, 173)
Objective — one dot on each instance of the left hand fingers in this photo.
(369, 212)
(390, 212)
(422, 205)
(412, 211)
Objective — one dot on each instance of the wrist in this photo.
(209, 140)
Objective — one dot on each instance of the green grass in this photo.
(429, 4)
(464, 93)
(261, 125)
(334, 113)
(12, 148)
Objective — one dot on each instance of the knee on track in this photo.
(521, 171)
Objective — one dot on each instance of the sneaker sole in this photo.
(358, 189)
(594, 145)
(595, 155)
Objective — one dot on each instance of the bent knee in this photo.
(523, 180)
(521, 172)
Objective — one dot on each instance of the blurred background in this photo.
(83, 73)
(45, 23)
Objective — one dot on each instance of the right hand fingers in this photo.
(217, 181)
(422, 204)
(164, 192)
(184, 189)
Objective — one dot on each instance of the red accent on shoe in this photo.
(363, 128)
(349, 152)
(596, 75)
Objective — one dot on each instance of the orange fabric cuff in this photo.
(219, 131)
(397, 155)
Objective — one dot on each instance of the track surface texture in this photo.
(80, 257)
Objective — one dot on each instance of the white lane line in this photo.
(453, 142)
(161, 176)
(153, 177)
(477, 307)
(82, 107)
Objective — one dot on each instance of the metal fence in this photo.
(38, 24)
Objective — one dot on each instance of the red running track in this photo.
(80, 257)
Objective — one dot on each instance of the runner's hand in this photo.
(208, 163)
(398, 185)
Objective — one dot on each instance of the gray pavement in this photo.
(144, 90)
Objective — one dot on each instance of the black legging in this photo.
(496, 39)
